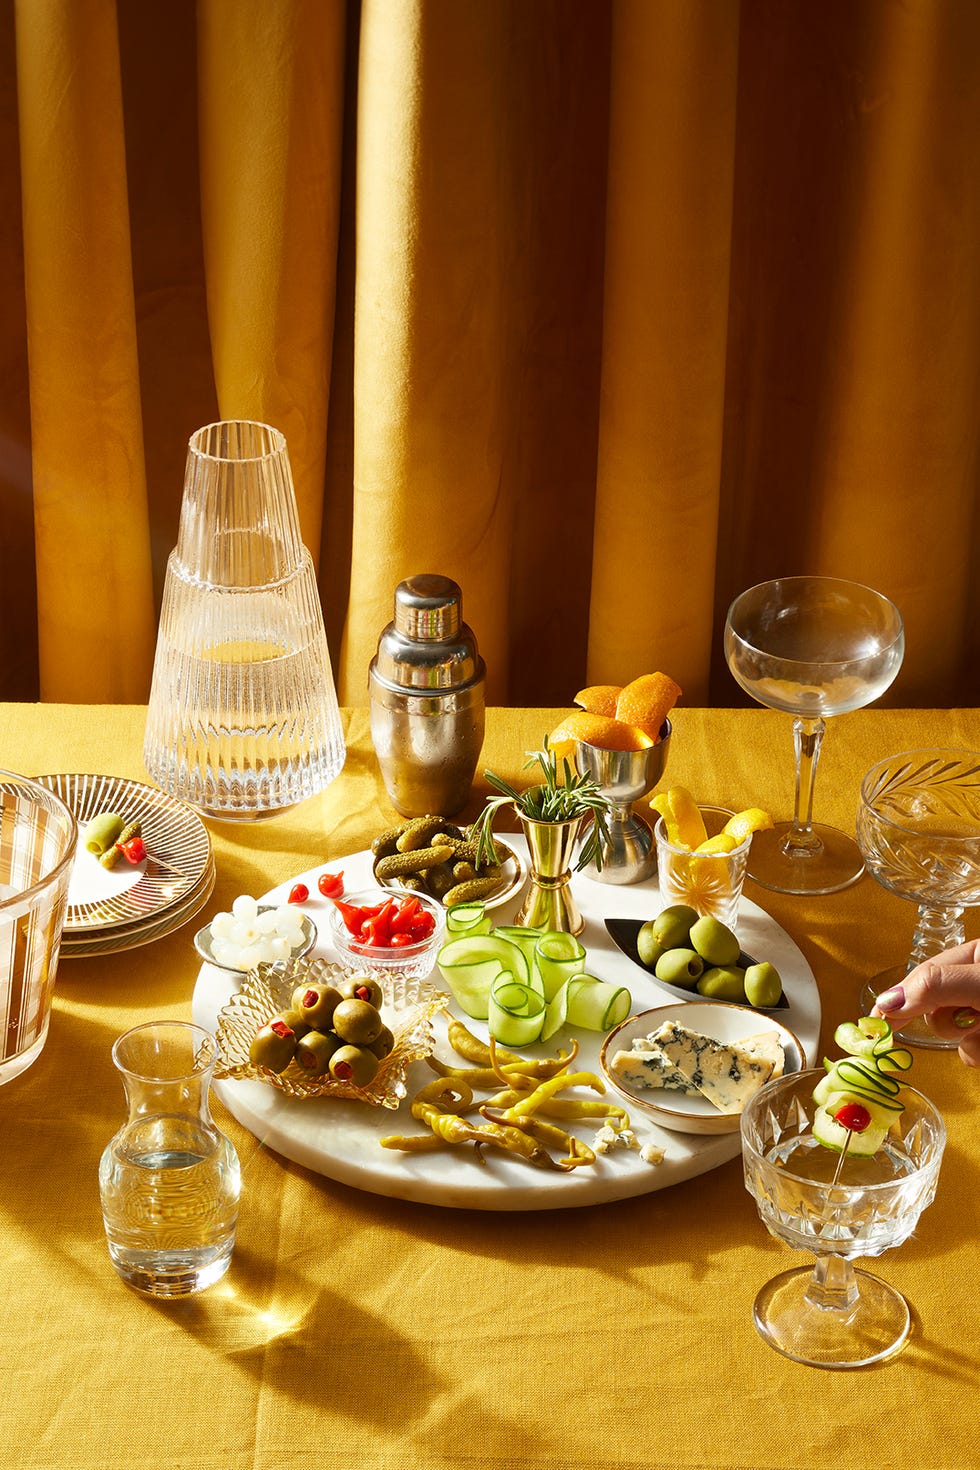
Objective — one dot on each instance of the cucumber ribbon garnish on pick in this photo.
(859, 1098)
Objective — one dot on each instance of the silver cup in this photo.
(624, 776)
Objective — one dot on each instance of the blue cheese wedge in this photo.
(767, 1046)
(726, 1075)
(647, 1066)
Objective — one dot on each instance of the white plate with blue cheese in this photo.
(693, 1067)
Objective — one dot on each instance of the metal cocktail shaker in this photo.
(427, 699)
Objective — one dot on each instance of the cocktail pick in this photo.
(855, 1118)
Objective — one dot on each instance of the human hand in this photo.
(945, 989)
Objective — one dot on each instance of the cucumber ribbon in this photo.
(865, 1076)
(525, 983)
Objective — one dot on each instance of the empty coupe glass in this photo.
(243, 719)
(814, 647)
(918, 826)
(833, 1315)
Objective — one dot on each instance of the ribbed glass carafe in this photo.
(243, 719)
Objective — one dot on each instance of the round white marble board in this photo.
(340, 1139)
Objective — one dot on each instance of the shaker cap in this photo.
(427, 646)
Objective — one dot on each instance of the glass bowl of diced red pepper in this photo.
(378, 931)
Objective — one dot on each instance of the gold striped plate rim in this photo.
(173, 833)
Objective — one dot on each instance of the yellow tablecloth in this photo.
(354, 1330)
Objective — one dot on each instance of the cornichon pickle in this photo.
(384, 844)
(464, 872)
(475, 888)
(420, 832)
(439, 880)
(463, 850)
(400, 863)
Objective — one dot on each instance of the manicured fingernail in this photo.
(965, 1018)
(891, 1000)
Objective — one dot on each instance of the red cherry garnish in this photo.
(853, 1117)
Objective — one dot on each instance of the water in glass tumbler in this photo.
(170, 1205)
(169, 1180)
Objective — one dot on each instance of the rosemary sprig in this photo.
(563, 795)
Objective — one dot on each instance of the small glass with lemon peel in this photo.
(708, 875)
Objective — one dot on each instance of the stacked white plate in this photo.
(133, 904)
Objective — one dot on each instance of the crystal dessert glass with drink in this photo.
(820, 1189)
(813, 647)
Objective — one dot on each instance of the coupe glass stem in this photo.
(801, 841)
(833, 1286)
(937, 929)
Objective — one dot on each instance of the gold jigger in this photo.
(623, 776)
(549, 903)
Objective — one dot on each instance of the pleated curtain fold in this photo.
(606, 310)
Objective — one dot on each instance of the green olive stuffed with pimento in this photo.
(329, 1031)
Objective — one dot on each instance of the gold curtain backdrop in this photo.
(606, 308)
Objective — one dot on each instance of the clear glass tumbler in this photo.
(169, 1180)
(710, 882)
(243, 719)
(38, 836)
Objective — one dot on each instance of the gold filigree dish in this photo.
(410, 1006)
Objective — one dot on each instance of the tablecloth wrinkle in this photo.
(352, 1328)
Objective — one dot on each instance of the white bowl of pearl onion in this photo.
(253, 934)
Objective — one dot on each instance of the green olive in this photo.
(353, 1064)
(648, 946)
(680, 967)
(357, 1021)
(316, 1004)
(273, 1046)
(362, 987)
(723, 982)
(672, 925)
(383, 1044)
(714, 942)
(315, 1050)
(763, 987)
(296, 1021)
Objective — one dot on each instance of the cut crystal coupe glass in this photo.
(834, 1315)
(814, 647)
(918, 826)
